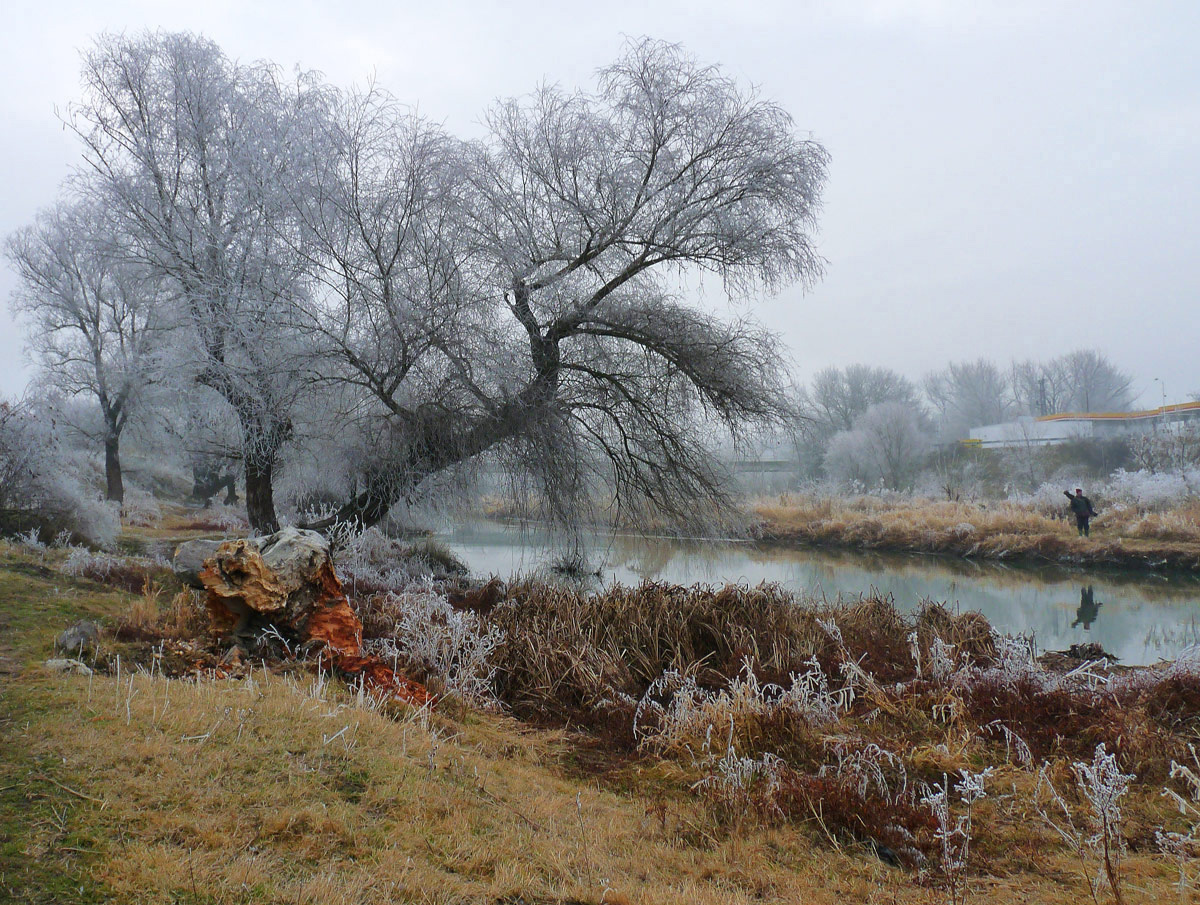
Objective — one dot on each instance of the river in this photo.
(1139, 617)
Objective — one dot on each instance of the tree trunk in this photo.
(112, 470)
(260, 499)
(362, 511)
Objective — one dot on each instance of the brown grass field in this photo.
(991, 530)
(173, 779)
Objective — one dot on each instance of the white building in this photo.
(1050, 429)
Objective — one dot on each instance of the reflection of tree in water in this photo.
(646, 557)
(1089, 609)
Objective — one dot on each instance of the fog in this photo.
(1008, 180)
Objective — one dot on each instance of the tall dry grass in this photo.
(583, 658)
(275, 790)
(1002, 530)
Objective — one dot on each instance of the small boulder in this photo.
(189, 560)
(68, 666)
(79, 637)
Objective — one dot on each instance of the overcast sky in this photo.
(1008, 179)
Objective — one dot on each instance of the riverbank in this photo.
(1120, 538)
(618, 747)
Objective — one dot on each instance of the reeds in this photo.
(992, 529)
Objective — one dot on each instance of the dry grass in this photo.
(572, 657)
(271, 791)
(995, 530)
(289, 788)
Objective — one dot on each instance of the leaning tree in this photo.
(191, 153)
(513, 296)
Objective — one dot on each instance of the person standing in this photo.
(1081, 506)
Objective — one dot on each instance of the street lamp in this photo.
(1163, 408)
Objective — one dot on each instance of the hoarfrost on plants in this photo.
(683, 711)
(1102, 785)
(954, 833)
(456, 646)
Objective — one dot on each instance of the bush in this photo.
(40, 485)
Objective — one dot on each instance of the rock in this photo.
(70, 666)
(233, 657)
(189, 560)
(78, 637)
(284, 581)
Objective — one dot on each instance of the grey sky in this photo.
(1008, 179)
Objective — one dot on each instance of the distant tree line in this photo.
(874, 426)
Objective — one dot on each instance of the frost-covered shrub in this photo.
(40, 483)
(1102, 785)
(1149, 490)
(676, 713)
(1013, 665)
(431, 636)
(954, 832)
(130, 573)
(141, 508)
(1048, 499)
(80, 562)
(1144, 491)
(1182, 846)
(370, 562)
(869, 768)
(736, 783)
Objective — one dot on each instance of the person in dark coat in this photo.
(1081, 506)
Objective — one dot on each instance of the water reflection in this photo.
(1088, 610)
(1146, 617)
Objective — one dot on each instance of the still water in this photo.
(1139, 617)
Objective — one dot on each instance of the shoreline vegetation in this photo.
(1121, 537)
(650, 744)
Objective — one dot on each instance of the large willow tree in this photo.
(513, 296)
(510, 297)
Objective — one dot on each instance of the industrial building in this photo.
(1048, 430)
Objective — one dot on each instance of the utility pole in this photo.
(1162, 409)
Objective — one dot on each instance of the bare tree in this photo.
(95, 319)
(969, 394)
(190, 150)
(886, 446)
(1081, 381)
(840, 396)
(511, 297)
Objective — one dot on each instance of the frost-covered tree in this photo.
(513, 297)
(838, 397)
(1085, 380)
(969, 394)
(191, 153)
(40, 487)
(96, 318)
(886, 447)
